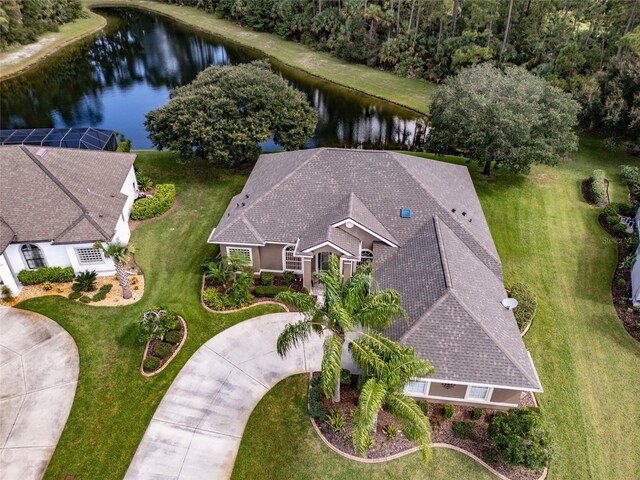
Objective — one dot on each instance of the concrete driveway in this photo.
(196, 430)
(39, 369)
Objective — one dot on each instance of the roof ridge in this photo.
(435, 304)
(495, 340)
(65, 190)
(448, 282)
(250, 226)
(386, 235)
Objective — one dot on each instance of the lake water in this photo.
(112, 79)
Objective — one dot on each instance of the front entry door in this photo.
(323, 260)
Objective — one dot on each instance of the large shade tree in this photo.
(388, 366)
(508, 117)
(226, 112)
(355, 303)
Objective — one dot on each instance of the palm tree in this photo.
(358, 302)
(389, 366)
(119, 254)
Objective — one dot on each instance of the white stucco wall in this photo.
(7, 277)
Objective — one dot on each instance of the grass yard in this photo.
(549, 238)
(21, 57)
(408, 92)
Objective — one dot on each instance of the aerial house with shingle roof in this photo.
(55, 203)
(421, 223)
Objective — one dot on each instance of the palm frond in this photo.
(415, 424)
(380, 308)
(292, 335)
(366, 358)
(403, 368)
(386, 348)
(339, 319)
(372, 396)
(301, 301)
(331, 363)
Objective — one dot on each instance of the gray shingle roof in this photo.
(446, 268)
(63, 195)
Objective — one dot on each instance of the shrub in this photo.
(521, 438)
(336, 420)
(46, 274)
(155, 323)
(288, 278)
(102, 292)
(622, 282)
(492, 457)
(46, 286)
(527, 304)
(267, 279)
(151, 364)
(597, 188)
(424, 406)
(268, 291)
(371, 442)
(345, 376)
(173, 337)
(630, 174)
(154, 206)
(462, 429)
(85, 282)
(477, 413)
(7, 296)
(448, 411)
(628, 210)
(75, 295)
(215, 299)
(239, 292)
(631, 243)
(85, 299)
(145, 183)
(620, 228)
(391, 431)
(162, 349)
(612, 208)
(621, 303)
(316, 409)
(612, 220)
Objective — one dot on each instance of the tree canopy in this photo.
(510, 118)
(227, 111)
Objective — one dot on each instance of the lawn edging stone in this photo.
(171, 357)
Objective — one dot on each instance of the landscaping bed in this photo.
(159, 352)
(586, 193)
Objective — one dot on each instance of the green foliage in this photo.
(597, 187)
(477, 413)
(145, 183)
(267, 279)
(151, 364)
(217, 273)
(462, 429)
(173, 337)
(46, 274)
(46, 286)
(533, 124)
(345, 377)
(621, 282)
(448, 411)
(288, 277)
(391, 430)
(154, 206)
(227, 111)
(215, 299)
(85, 281)
(155, 323)
(162, 349)
(270, 291)
(336, 420)
(239, 292)
(75, 295)
(611, 209)
(612, 220)
(85, 299)
(527, 304)
(102, 292)
(620, 228)
(316, 409)
(424, 406)
(630, 174)
(521, 438)
(7, 296)
(631, 243)
(124, 144)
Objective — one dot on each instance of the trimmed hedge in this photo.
(154, 206)
(268, 290)
(597, 188)
(527, 304)
(46, 274)
(151, 364)
(162, 349)
(173, 337)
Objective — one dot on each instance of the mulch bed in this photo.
(169, 357)
(629, 317)
(586, 194)
(478, 445)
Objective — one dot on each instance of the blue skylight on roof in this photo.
(405, 213)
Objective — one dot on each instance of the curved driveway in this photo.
(39, 369)
(196, 430)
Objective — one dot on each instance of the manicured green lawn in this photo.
(408, 92)
(549, 238)
(114, 403)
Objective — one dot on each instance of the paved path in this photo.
(196, 430)
(39, 369)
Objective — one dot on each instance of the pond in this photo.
(112, 79)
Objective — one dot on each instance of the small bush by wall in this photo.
(268, 290)
(46, 274)
(597, 188)
(154, 206)
(527, 304)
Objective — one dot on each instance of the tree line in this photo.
(22, 21)
(590, 48)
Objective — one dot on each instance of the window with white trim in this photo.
(87, 256)
(290, 261)
(416, 387)
(244, 251)
(477, 393)
(366, 256)
(33, 256)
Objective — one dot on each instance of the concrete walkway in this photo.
(39, 369)
(196, 430)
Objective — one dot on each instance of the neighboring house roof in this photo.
(60, 195)
(442, 259)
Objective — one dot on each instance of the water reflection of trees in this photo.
(138, 48)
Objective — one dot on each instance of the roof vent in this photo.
(349, 224)
(405, 213)
(246, 195)
(41, 152)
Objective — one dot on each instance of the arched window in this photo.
(290, 261)
(33, 256)
(365, 257)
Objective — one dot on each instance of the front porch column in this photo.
(347, 270)
(306, 273)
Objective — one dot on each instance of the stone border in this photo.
(175, 352)
(224, 312)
